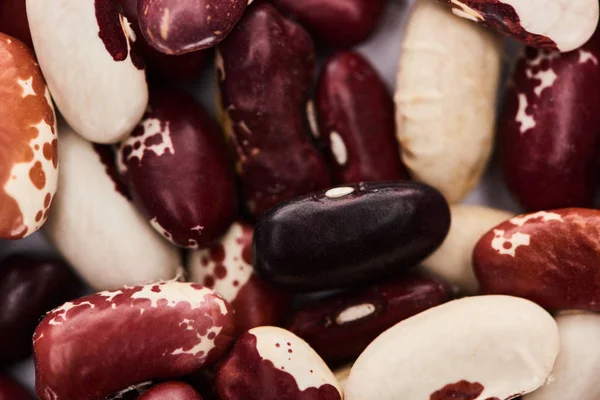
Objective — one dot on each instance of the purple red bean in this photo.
(171, 391)
(13, 20)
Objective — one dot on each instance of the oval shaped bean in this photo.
(96, 78)
(563, 24)
(13, 20)
(356, 119)
(96, 227)
(226, 268)
(574, 374)
(550, 139)
(28, 142)
(340, 327)
(177, 169)
(181, 26)
(349, 235)
(29, 287)
(549, 257)
(336, 23)
(460, 350)
(82, 350)
(453, 260)
(11, 390)
(448, 75)
(171, 391)
(265, 120)
(270, 363)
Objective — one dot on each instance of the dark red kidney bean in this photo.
(183, 26)
(11, 390)
(549, 257)
(171, 391)
(29, 287)
(266, 69)
(335, 23)
(178, 170)
(106, 342)
(550, 130)
(13, 20)
(355, 113)
(340, 327)
(185, 67)
(350, 235)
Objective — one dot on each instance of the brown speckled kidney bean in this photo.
(355, 113)
(13, 20)
(549, 257)
(347, 236)
(171, 391)
(28, 142)
(340, 327)
(106, 342)
(11, 390)
(178, 170)
(226, 267)
(550, 130)
(336, 23)
(266, 68)
(29, 287)
(559, 24)
(269, 363)
(181, 26)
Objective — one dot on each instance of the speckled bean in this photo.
(11, 390)
(171, 391)
(103, 343)
(28, 142)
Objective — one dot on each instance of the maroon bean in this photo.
(171, 391)
(550, 131)
(184, 67)
(29, 287)
(11, 390)
(266, 69)
(182, 26)
(549, 257)
(178, 170)
(356, 119)
(340, 327)
(336, 23)
(106, 342)
(13, 20)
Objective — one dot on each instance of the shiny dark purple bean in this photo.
(13, 20)
(11, 390)
(266, 70)
(349, 235)
(178, 170)
(29, 287)
(171, 391)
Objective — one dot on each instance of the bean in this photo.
(13, 20)
(28, 142)
(177, 168)
(549, 257)
(182, 26)
(550, 138)
(96, 227)
(342, 374)
(349, 235)
(340, 327)
(108, 341)
(356, 119)
(448, 75)
(453, 260)
(269, 363)
(171, 391)
(95, 77)
(11, 390)
(336, 23)
(560, 25)
(266, 69)
(486, 347)
(226, 268)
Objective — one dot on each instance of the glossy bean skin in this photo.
(173, 329)
(182, 26)
(355, 113)
(29, 287)
(178, 171)
(28, 142)
(549, 257)
(11, 390)
(340, 327)
(13, 20)
(550, 135)
(171, 391)
(266, 69)
(349, 235)
(336, 23)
